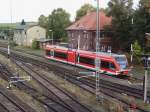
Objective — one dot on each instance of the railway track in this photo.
(9, 99)
(89, 85)
(90, 82)
(59, 71)
(11, 103)
(55, 90)
(3, 108)
(53, 102)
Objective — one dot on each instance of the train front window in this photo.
(122, 61)
(112, 66)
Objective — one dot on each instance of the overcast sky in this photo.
(30, 10)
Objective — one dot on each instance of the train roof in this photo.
(57, 47)
(108, 54)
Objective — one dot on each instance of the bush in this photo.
(137, 48)
(137, 52)
(35, 44)
(13, 44)
(64, 39)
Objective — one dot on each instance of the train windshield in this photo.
(122, 61)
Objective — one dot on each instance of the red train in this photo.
(111, 64)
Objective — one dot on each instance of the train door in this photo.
(47, 53)
(71, 56)
(52, 52)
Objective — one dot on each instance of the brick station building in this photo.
(83, 32)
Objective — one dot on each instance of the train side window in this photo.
(86, 60)
(48, 53)
(60, 55)
(52, 53)
(104, 64)
(108, 65)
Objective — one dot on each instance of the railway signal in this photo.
(146, 66)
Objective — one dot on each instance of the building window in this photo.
(72, 34)
(102, 35)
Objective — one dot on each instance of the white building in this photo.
(26, 33)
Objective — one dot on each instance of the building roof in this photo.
(88, 22)
(25, 26)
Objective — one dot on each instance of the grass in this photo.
(139, 72)
(29, 50)
(21, 94)
(110, 105)
(83, 96)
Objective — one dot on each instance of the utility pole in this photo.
(8, 51)
(97, 60)
(52, 36)
(131, 58)
(9, 31)
(79, 42)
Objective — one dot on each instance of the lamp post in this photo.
(8, 49)
(51, 35)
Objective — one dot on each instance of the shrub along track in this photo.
(86, 83)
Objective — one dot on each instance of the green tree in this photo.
(83, 10)
(137, 51)
(141, 22)
(57, 22)
(121, 12)
(137, 48)
(43, 20)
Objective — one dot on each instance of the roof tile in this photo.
(88, 22)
